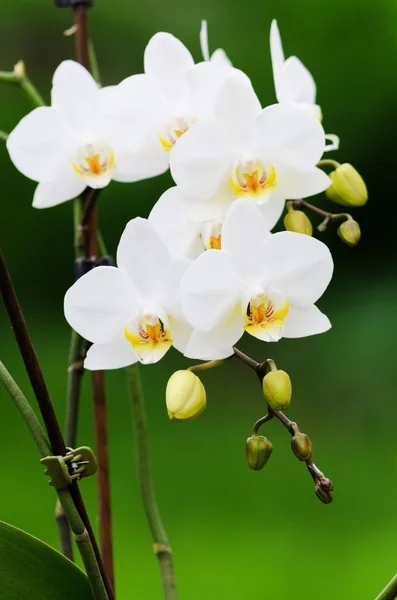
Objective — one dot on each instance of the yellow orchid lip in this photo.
(172, 133)
(151, 338)
(253, 180)
(263, 319)
(94, 163)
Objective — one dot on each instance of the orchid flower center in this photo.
(211, 234)
(264, 315)
(171, 134)
(253, 179)
(94, 163)
(149, 336)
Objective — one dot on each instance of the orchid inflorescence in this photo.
(204, 267)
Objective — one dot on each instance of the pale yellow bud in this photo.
(348, 187)
(277, 389)
(185, 396)
(19, 69)
(349, 232)
(298, 222)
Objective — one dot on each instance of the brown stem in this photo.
(90, 230)
(43, 398)
(102, 453)
(325, 494)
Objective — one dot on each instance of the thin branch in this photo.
(90, 229)
(160, 541)
(18, 77)
(65, 499)
(325, 493)
(43, 399)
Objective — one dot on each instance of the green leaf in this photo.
(32, 570)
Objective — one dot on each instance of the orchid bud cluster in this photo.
(204, 268)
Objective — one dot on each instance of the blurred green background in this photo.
(235, 533)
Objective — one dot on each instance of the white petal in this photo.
(243, 232)
(297, 265)
(180, 333)
(55, 192)
(145, 257)
(166, 60)
(205, 79)
(204, 40)
(76, 93)
(301, 322)
(210, 289)
(301, 85)
(172, 303)
(149, 160)
(220, 58)
(201, 160)
(236, 109)
(219, 342)
(40, 144)
(335, 142)
(289, 136)
(134, 112)
(114, 355)
(98, 305)
(294, 184)
(273, 210)
(169, 217)
(277, 54)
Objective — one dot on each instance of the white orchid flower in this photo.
(293, 82)
(264, 155)
(184, 227)
(219, 56)
(264, 284)
(132, 312)
(154, 110)
(69, 145)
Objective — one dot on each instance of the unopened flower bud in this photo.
(326, 484)
(349, 232)
(302, 446)
(298, 221)
(324, 496)
(19, 69)
(258, 450)
(185, 396)
(277, 389)
(348, 187)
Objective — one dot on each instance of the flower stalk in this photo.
(161, 545)
(390, 591)
(57, 443)
(65, 499)
(18, 77)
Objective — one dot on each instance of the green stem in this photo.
(328, 162)
(94, 66)
(19, 77)
(212, 364)
(159, 536)
(3, 136)
(75, 372)
(80, 533)
(390, 591)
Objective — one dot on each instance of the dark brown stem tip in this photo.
(72, 3)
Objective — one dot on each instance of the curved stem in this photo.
(159, 536)
(212, 364)
(19, 77)
(65, 499)
(390, 591)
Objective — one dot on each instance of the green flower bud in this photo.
(302, 446)
(298, 221)
(349, 232)
(258, 450)
(185, 396)
(348, 187)
(277, 389)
